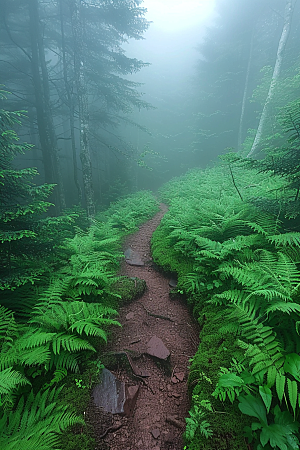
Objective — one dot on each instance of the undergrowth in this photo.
(53, 328)
(237, 265)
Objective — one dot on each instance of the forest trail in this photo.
(162, 404)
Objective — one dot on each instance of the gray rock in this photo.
(133, 258)
(114, 396)
(157, 348)
(173, 283)
(155, 433)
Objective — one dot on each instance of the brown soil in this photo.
(163, 402)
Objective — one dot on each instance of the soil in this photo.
(163, 403)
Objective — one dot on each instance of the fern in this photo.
(36, 422)
(10, 379)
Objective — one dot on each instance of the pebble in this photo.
(155, 433)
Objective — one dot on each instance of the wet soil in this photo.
(162, 405)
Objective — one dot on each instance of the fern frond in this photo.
(64, 360)
(10, 379)
(35, 423)
(69, 343)
(286, 239)
(8, 326)
(283, 307)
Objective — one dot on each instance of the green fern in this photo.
(10, 379)
(35, 422)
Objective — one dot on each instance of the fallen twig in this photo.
(134, 342)
(110, 430)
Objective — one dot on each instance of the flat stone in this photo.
(155, 433)
(175, 395)
(114, 396)
(179, 376)
(174, 380)
(157, 348)
(133, 258)
(142, 373)
(130, 316)
(109, 394)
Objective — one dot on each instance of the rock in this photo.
(114, 396)
(132, 393)
(133, 258)
(130, 316)
(155, 433)
(157, 348)
(176, 395)
(173, 283)
(174, 380)
(110, 393)
(174, 421)
(179, 376)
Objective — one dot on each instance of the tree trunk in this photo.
(70, 105)
(79, 67)
(240, 134)
(276, 73)
(43, 108)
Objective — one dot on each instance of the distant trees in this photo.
(275, 76)
(252, 46)
(65, 63)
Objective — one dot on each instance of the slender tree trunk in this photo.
(43, 108)
(240, 134)
(79, 66)
(70, 105)
(276, 73)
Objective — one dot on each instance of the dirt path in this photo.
(162, 403)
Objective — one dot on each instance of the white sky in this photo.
(177, 15)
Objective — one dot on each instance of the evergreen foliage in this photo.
(59, 286)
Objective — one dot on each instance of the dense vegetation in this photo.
(59, 294)
(231, 236)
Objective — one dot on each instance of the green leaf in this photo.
(280, 384)
(293, 393)
(292, 365)
(271, 376)
(229, 379)
(266, 395)
(253, 406)
(275, 434)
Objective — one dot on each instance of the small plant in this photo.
(195, 422)
(79, 384)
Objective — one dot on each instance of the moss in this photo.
(76, 394)
(129, 288)
(166, 257)
(215, 351)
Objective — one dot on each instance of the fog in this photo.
(113, 103)
(168, 84)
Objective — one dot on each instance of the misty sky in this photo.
(177, 15)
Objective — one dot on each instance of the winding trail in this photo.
(163, 401)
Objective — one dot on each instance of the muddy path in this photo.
(162, 404)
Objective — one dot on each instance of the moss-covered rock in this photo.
(129, 288)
